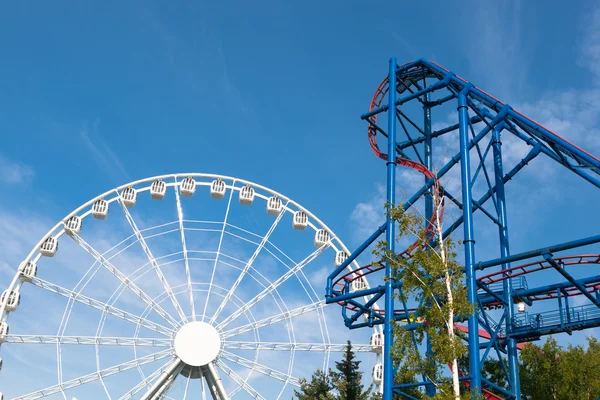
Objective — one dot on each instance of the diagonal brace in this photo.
(561, 270)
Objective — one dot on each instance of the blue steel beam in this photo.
(513, 357)
(555, 287)
(417, 82)
(539, 252)
(469, 240)
(388, 366)
(567, 276)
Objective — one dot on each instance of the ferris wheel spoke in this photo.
(214, 270)
(291, 272)
(100, 306)
(283, 346)
(95, 376)
(185, 252)
(274, 319)
(88, 340)
(187, 386)
(239, 380)
(124, 279)
(260, 368)
(145, 383)
(153, 261)
(248, 265)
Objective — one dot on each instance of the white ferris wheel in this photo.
(215, 292)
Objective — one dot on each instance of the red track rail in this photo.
(376, 102)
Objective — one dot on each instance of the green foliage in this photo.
(342, 384)
(347, 379)
(551, 372)
(317, 389)
(432, 279)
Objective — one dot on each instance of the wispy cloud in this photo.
(104, 156)
(497, 46)
(13, 173)
(590, 48)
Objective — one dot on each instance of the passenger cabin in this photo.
(300, 220)
(73, 225)
(378, 374)
(246, 195)
(376, 342)
(129, 197)
(217, 189)
(49, 247)
(3, 331)
(358, 284)
(340, 257)
(100, 209)
(274, 205)
(12, 298)
(158, 189)
(321, 238)
(28, 271)
(187, 187)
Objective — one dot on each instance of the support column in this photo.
(427, 158)
(388, 367)
(213, 380)
(513, 356)
(468, 240)
(163, 380)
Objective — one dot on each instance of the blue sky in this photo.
(95, 95)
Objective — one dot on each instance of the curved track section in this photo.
(471, 128)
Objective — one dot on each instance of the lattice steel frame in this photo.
(498, 289)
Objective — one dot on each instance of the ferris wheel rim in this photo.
(34, 252)
(174, 180)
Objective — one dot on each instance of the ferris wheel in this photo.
(181, 285)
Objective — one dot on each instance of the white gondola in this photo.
(217, 189)
(28, 271)
(300, 220)
(3, 331)
(246, 195)
(129, 197)
(274, 205)
(100, 209)
(12, 298)
(73, 225)
(376, 342)
(340, 257)
(358, 284)
(158, 190)
(321, 238)
(187, 187)
(378, 374)
(49, 247)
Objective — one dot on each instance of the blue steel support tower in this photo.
(478, 126)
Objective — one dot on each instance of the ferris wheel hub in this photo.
(197, 343)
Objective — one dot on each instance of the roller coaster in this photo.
(500, 291)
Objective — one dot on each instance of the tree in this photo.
(343, 384)
(318, 388)
(551, 372)
(433, 280)
(347, 379)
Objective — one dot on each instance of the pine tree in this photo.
(318, 388)
(347, 379)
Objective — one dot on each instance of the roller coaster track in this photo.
(417, 81)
